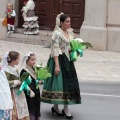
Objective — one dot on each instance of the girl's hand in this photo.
(17, 82)
(57, 70)
(40, 82)
(32, 94)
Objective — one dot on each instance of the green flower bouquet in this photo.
(42, 73)
(77, 46)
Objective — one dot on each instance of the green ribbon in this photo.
(74, 54)
(80, 52)
(24, 86)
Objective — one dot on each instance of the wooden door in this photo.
(20, 18)
(75, 9)
(47, 10)
(43, 10)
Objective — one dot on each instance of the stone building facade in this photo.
(101, 25)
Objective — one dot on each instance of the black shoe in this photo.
(67, 117)
(54, 111)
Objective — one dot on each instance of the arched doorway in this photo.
(47, 10)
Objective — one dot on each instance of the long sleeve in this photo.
(13, 13)
(22, 71)
(55, 47)
(11, 82)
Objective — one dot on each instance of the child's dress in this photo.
(11, 20)
(6, 104)
(33, 103)
(31, 21)
(20, 109)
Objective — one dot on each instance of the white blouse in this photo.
(29, 6)
(13, 13)
(60, 44)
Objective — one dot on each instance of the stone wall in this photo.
(94, 28)
(101, 26)
(113, 25)
(2, 16)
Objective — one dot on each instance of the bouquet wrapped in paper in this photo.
(42, 73)
(77, 46)
(25, 80)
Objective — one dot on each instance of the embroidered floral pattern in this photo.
(60, 44)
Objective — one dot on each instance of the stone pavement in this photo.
(97, 66)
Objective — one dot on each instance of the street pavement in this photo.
(94, 66)
(100, 101)
(99, 78)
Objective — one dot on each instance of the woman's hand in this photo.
(57, 70)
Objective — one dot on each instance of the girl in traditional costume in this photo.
(6, 104)
(33, 103)
(63, 86)
(10, 18)
(31, 24)
(20, 109)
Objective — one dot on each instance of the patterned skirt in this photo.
(31, 23)
(20, 108)
(63, 88)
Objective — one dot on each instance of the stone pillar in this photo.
(3, 4)
(94, 28)
(113, 25)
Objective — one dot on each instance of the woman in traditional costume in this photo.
(20, 109)
(63, 86)
(31, 24)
